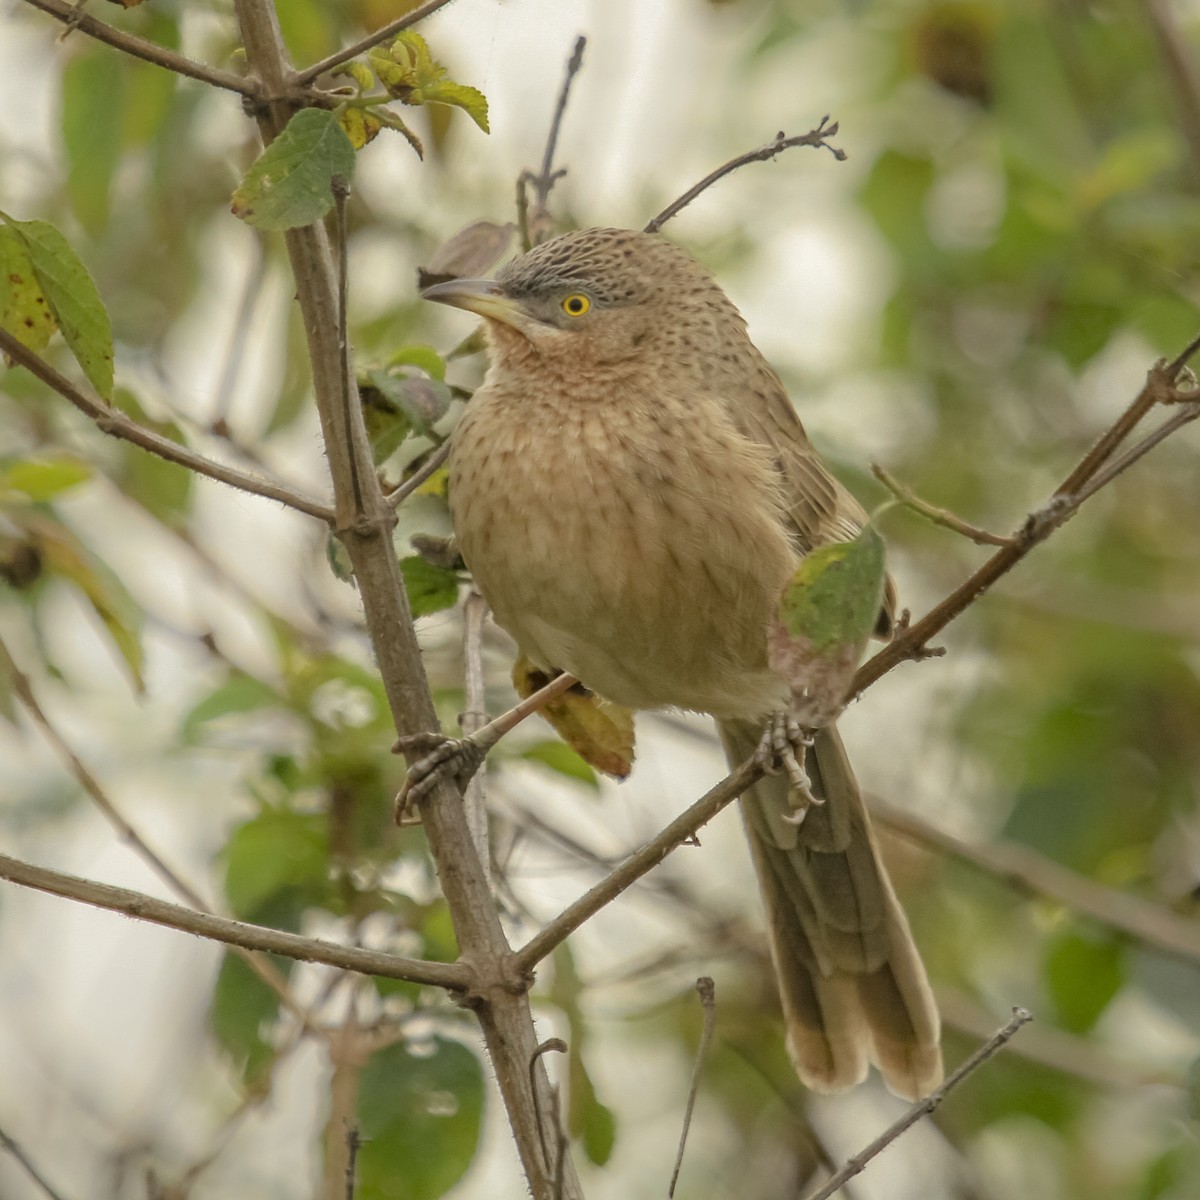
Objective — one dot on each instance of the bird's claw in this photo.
(442, 757)
(783, 748)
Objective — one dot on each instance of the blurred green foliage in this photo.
(1031, 175)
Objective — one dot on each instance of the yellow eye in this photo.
(576, 304)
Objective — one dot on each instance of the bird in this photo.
(631, 490)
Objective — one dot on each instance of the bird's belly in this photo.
(648, 571)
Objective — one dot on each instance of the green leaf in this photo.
(425, 357)
(419, 1113)
(410, 73)
(240, 694)
(429, 588)
(290, 183)
(93, 108)
(599, 1132)
(423, 400)
(73, 298)
(1083, 974)
(23, 309)
(558, 756)
(827, 612)
(43, 480)
(276, 855)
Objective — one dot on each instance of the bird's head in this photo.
(594, 296)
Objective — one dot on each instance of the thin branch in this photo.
(1078, 1057)
(922, 1108)
(535, 224)
(27, 1165)
(708, 1001)
(340, 187)
(151, 52)
(421, 475)
(1188, 413)
(474, 718)
(814, 137)
(1151, 924)
(939, 516)
(1162, 386)
(115, 423)
(372, 39)
(451, 976)
(354, 1143)
(636, 865)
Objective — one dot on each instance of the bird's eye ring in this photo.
(576, 304)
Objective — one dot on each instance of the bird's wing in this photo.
(818, 507)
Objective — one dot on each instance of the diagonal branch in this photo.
(74, 18)
(636, 865)
(922, 1108)
(454, 977)
(365, 43)
(814, 137)
(1162, 386)
(116, 424)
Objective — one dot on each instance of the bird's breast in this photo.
(632, 539)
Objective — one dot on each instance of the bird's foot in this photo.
(442, 757)
(783, 748)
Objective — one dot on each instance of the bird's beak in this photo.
(483, 296)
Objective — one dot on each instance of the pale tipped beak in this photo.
(483, 296)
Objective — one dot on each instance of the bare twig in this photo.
(27, 1165)
(534, 222)
(340, 187)
(780, 143)
(1151, 924)
(353, 1145)
(474, 718)
(939, 516)
(1162, 386)
(372, 39)
(922, 1108)
(451, 976)
(424, 472)
(151, 52)
(636, 865)
(117, 424)
(1068, 1054)
(708, 1001)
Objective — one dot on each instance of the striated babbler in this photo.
(631, 490)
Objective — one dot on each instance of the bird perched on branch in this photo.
(632, 491)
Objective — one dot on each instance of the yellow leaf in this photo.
(599, 732)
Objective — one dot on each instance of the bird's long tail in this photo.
(853, 985)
